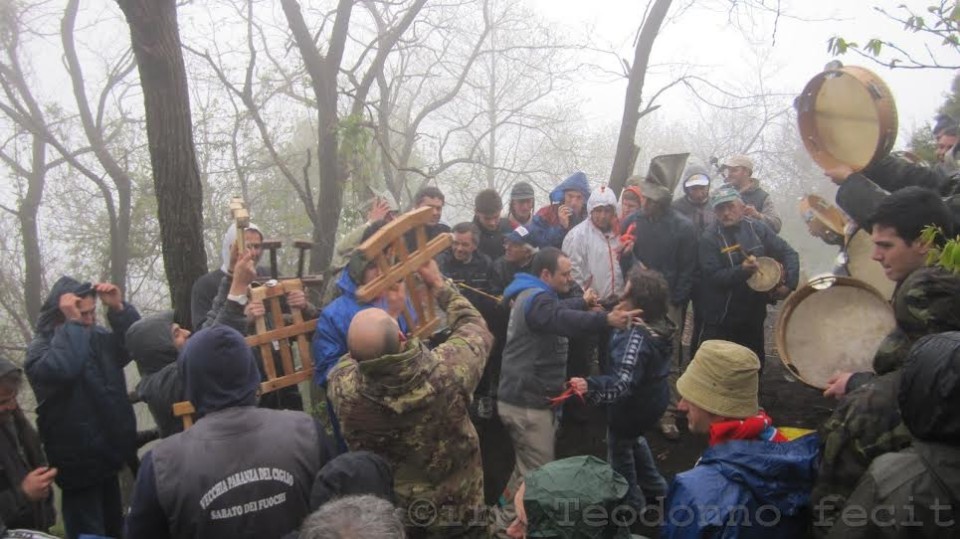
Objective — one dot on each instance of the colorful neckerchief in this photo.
(758, 427)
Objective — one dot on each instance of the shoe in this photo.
(668, 428)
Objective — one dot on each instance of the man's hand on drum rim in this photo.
(837, 385)
(838, 174)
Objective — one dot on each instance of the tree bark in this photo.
(155, 37)
(626, 156)
(323, 79)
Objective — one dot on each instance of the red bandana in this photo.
(758, 427)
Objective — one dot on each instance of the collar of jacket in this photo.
(396, 380)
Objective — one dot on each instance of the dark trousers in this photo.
(94, 510)
(745, 332)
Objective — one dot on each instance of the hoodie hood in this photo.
(522, 281)
(776, 473)
(577, 182)
(50, 314)
(930, 389)
(346, 284)
(601, 196)
(150, 342)
(228, 239)
(696, 170)
(396, 381)
(353, 474)
(218, 370)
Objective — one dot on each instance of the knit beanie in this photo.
(723, 379)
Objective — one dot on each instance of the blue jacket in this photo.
(330, 339)
(545, 229)
(723, 294)
(636, 388)
(667, 244)
(765, 484)
(84, 415)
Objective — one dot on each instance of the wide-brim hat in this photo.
(723, 379)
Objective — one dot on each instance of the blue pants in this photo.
(631, 458)
(93, 510)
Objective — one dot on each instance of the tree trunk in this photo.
(155, 37)
(323, 78)
(626, 156)
(30, 233)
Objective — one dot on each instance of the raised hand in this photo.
(70, 306)
(110, 295)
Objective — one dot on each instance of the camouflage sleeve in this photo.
(464, 354)
(865, 425)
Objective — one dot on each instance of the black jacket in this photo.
(150, 342)
(491, 241)
(725, 294)
(84, 415)
(474, 274)
(667, 244)
(20, 453)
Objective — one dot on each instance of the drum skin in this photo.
(862, 266)
(823, 219)
(832, 324)
(768, 276)
(847, 116)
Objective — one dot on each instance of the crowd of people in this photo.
(547, 311)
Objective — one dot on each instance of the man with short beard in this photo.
(594, 247)
(522, 203)
(568, 207)
(490, 226)
(738, 171)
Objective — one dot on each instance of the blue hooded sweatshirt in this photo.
(545, 229)
(745, 488)
(330, 339)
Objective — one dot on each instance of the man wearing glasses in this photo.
(738, 172)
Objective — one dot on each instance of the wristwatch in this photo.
(240, 299)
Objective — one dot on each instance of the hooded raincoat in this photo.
(545, 227)
(150, 342)
(595, 254)
(84, 415)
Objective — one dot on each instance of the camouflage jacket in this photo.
(411, 409)
(866, 423)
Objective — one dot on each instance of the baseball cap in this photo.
(739, 161)
(519, 235)
(724, 194)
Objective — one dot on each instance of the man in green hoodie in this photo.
(409, 404)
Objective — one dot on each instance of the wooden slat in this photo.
(306, 361)
(183, 408)
(286, 332)
(289, 380)
(261, 293)
(425, 330)
(393, 230)
(266, 349)
(286, 360)
(375, 288)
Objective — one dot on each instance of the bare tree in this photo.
(155, 37)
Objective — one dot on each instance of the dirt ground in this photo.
(788, 401)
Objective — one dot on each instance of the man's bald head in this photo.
(373, 333)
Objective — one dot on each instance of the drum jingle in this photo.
(847, 116)
(832, 324)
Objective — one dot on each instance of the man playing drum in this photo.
(866, 423)
(729, 251)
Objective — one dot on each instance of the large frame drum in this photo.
(847, 116)
(832, 324)
(861, 265)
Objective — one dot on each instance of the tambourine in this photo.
(847, 115)
(769, 275)
(823, 219)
